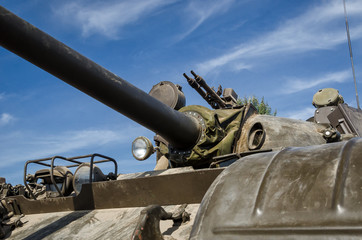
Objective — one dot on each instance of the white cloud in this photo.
(2, 96)
(312, 30)
(34, 145)
(6, 118)
(107, 18)
(199, 11)
(296, 84)
(241, 66)
(302, 114)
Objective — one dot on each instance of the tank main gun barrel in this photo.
(39, 48)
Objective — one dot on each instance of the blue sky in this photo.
(282, 50)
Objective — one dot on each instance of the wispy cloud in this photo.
(297, 84)
(240, 66)
(199, 11)
(109, 18)
(34, 145)
(6, 118)
(312, 30)
(302, 114)
(2, 96)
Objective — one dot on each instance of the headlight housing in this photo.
(82, 175)
(142, 148)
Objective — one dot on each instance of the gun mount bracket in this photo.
(179, 155)
(201, 122)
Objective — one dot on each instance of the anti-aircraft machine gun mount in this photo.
(221, 173)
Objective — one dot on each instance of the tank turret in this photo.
(227, 172)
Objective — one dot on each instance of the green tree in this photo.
(262, 106)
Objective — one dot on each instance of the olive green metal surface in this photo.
(310, 192)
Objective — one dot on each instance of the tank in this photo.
(224, 172)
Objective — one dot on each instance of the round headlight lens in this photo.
(142, 148)
(81, 176)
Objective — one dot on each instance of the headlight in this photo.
(82, 175)
(142, 148)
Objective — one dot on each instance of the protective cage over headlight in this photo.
(142, 148)
(59, 181)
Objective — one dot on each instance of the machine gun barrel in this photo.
(209, 94)
(44, 51)
(196, 86)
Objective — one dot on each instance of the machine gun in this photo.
(208, 93)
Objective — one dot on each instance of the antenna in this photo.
(350, 51)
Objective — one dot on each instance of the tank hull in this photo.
(299, 193)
